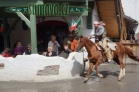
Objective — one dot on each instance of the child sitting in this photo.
(28, 50)
(6, 53)
(50, 52)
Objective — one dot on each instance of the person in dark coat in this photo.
(66, 52)
(40, 47)
(132, 33)
(28, 50)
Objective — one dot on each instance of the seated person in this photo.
(28, 50)
(54, 44)
(50, 52)
(66, 52)
(6, 53)
(19, 50)
(74, 44)
(68, 40)
(40, 47)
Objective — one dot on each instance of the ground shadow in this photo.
(104, 73)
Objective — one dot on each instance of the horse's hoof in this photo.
(85, 79)
(119, 79)
(100, 75)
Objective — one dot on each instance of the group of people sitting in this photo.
(69, 46)
(18, 49)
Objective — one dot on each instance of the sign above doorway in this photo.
(49, 9)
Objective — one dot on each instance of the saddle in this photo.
(108, 44)
(100, 48)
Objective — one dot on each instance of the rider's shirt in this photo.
(99, 32)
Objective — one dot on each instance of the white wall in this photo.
(25, 67)
(130, 8)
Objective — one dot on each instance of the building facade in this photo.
(101, 10)
(23, 33)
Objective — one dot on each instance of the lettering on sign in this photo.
(49, 9)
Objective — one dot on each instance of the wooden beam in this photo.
(13, 25)
(24, 18)
(7, 30)
(122, 20)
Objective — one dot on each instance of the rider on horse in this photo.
(100, 35)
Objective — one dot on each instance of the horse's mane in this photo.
(88, 41)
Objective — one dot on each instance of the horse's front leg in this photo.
(89, 71)
(122, 70)
(85, 60)
(96, 67)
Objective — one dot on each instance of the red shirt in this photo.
(6, 55)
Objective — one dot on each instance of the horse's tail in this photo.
(130, 54)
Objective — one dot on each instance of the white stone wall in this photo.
(130, 8)
(25, 67)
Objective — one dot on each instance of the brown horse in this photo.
(95, 56)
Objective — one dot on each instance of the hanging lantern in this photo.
(1, 26)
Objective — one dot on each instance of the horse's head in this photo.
(81, 42)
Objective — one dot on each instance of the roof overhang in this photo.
(131, 19)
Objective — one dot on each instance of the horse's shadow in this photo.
(94, 76)
(104, 73)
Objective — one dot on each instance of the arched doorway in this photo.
(53, 27)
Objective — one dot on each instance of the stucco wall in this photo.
(26, 67)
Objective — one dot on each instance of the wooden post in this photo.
(7, 30)
(122, 20)
(4, 33)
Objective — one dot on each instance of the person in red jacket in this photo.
(6, 53)
(74, 44)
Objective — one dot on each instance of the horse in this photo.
(95, 56)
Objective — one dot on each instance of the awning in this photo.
(131, 19)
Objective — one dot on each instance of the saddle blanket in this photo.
(111, 45)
